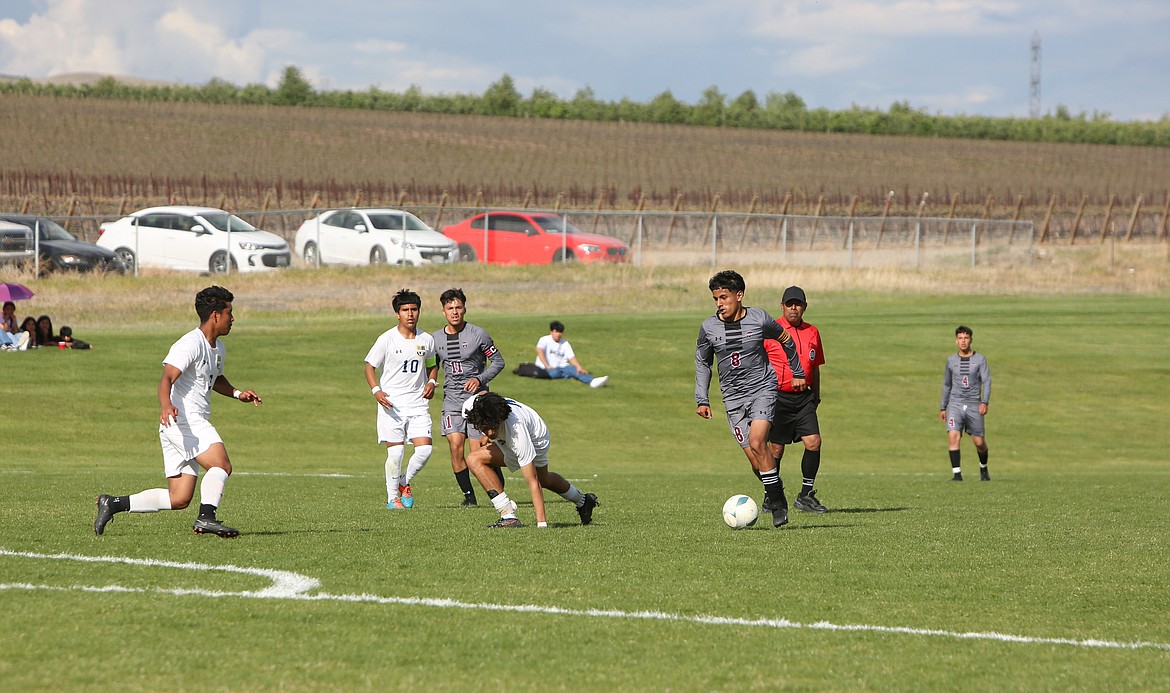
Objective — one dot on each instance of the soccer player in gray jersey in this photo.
(469, 360)
(734, 337)
(965, 395)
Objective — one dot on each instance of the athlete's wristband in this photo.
(375, 390)
(236, 394)
(432, 381)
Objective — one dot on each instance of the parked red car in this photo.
(538, 238)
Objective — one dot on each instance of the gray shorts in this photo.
(965, 417)
(740, 419)
(453, 422)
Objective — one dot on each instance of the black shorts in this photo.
(795, 416)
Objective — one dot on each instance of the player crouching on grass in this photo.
(520, 440)
(191, 370)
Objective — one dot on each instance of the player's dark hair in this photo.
(451, 295)
(213, 299)
(406, 297)
(10, 303)
(490, 411)
(556, 325)
(963, 329)
(727, 279)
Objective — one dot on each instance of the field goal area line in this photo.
(294, 586)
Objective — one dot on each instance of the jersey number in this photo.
(454, 367)
(735, 362)
(410, 366)
(738, 433)
(966, 381)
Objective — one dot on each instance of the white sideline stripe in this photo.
(289, 585)
(323, 476)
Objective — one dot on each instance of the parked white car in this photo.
(193, 238)
(372, 237)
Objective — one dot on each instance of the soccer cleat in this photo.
(105, 513)
(585, 510)
(469, 502)
(406, 496)
(213, 526)
(779, 510)
(395, 504)
(599, 382)
(808, 503)
(507, 522)
(957, 477)
(984, 475)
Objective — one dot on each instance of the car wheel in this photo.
(218, 263)
(467, 253)
(378, 255)
(564, 256)
(310, 254)
(127, 257)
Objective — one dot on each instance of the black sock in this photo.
(773, 487)
(120, 504)
(982, 458)
(206, 512)
(810, 464)
(954, 458)
(493, 494)
(463, 478)
(500, 473)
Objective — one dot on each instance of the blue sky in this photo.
(944, 56)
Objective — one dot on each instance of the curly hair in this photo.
(210, 300)
(727, 279)
(489, 412)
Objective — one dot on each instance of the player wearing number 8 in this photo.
(734, 339)
(407, 361)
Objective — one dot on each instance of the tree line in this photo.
(776, 111)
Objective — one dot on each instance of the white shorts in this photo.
(394, 427)
(513, 463)
(182, 442)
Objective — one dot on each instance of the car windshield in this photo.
(50, 230)
(394, 222)
(220, 221)
(555, 224)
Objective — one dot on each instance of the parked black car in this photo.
(62, 251)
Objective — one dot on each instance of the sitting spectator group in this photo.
(33, 333)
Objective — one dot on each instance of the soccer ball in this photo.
(740, 511)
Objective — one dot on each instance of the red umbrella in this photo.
(10, 291)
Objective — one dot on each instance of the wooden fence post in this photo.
(816, 220)
(1137, 206)
(439, 211)
(402, 197)
(637, 213)
(747, 224)
(1048, 219)
(710, 220)
(950, 215)
(882, 225)
(1015, 218)
(1108, 221)
(316, 200)
(673, 214)
(783, 213)
(1165, 216)
(597, 211)
(264, 208)
(1077, 222)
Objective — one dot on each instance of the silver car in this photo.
(372, 237)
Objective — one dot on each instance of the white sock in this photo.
(505, 505)
(150, 501)
(211, 488)
(574, 496)
(418, 460)
(956, 470)
(394, 455)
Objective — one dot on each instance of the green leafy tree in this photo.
(501, 98)
(294, 89)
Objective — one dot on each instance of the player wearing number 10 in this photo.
(735, 336)
(407, 361)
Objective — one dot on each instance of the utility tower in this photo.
(1034, 101)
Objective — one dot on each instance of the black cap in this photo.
(794, 293)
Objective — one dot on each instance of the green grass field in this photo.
(1051, 577)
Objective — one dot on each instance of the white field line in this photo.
(294, 586)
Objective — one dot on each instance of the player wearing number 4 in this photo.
(965, 395)
(191, 370)
(407, 361)
(734, 337)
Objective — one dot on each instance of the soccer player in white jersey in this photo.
(519, 440)
(408, 369)
(192, 369)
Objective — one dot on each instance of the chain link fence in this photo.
(710, 240)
